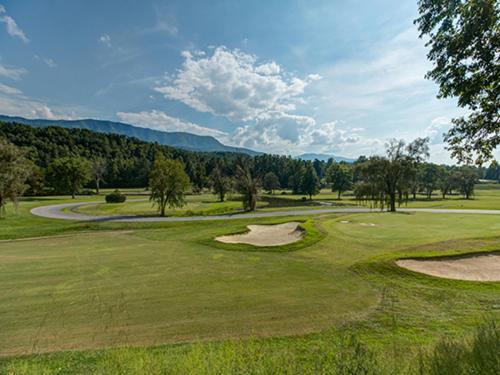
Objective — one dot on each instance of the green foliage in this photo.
(221, 184)
(116, 197)
(69, 174)
(385, 180)
(464, 44)
(270, 182)
(15, 170)
(477, 356)
(247, 185)
(310, 181)
(340, 176)
(168, 183)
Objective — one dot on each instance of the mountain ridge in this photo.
(184, 140)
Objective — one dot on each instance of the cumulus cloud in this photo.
(437, 128)
(234, 84)
(14, 104)
(105, 39)
(159, 120)
(11, 26)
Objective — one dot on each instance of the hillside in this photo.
(182, 140)
(324, 157)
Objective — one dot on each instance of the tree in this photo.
(221, 184)
(430, 174)
(340, 175)
(98, 169)
(270, 182)
(310, 181)
(247, 185)
(464, 40)
(168, 183)
(493, 171)
(445, 182)
(383, 177)
(15, 170)
(296, 177)
(69, 174)
(467, 180)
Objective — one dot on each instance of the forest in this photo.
(118, 161)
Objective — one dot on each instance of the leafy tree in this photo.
(310, 181)
(467, 180)
(340, 175)
(430, 174)
(98, 169)
(69, 174)
(247, 185)
(168, 183)
(270, 182)
(445, 182)
(221, 184)
(383, 176)
(493, 171)
(15, 170)
(464, 40)
(296, 176)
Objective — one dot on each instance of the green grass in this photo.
(181, 303)
(197, 205)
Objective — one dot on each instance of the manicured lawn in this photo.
(202, 204)
(89, 286)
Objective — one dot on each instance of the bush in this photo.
(86, 192)
(116, 197)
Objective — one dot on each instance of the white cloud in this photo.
(16, 105)
(12, 73)
(9, 90)
(105, 39)
(47, 61)
(232, 84)
(161, 121)
(12, 28)
(437, 128)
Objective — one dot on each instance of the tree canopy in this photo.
(15, 170)
(464, 41)
(168, 183)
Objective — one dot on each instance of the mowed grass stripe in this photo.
(105, 289)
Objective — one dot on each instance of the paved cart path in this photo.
(55, 211)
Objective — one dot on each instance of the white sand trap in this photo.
(267, 235)
(484, 267)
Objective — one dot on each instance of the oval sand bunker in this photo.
(267, 235)
(484, 267)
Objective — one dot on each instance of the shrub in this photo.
(115, 197)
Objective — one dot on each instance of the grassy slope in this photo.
(161, 283)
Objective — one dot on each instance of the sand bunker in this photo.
(484, 267)
(267, 235)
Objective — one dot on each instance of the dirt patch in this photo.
(267, 235)
(483, 267)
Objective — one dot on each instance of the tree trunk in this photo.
(392, 201)
(97, 186)
(339, 195)
(72, 194)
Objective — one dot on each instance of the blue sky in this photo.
(277, 76)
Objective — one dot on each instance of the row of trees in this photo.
(169, 173)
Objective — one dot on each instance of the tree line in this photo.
(54, 160)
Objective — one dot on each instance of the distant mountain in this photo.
(324, 157)
(182, 140)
